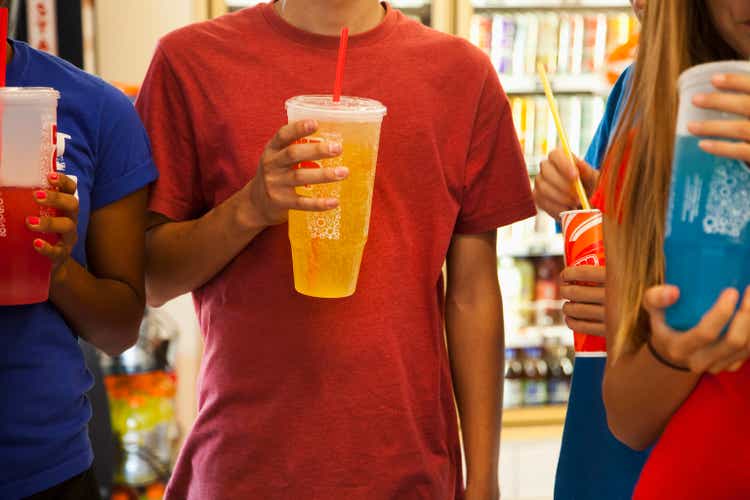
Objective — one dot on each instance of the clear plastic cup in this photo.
(27, 156)
(327, 247)
(707, 240)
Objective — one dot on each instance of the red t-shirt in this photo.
(308, 398)
(704, 452)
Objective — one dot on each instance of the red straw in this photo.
(340, 65)
(4, 38)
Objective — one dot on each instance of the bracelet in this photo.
(663, 361)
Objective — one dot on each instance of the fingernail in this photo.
(334, 148)
(33, 221)
(694, 125)
(54, 176)
(341, 172)
(719, 78)
(310, 126)
(38, 243)
(699, 98)
(332, 203)
(731, 294)
(705, 144)
(40, 195)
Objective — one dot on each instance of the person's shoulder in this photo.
(450, 51)
(208, 36)
(623, 82)
(72, 82)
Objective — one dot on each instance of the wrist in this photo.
(245, 214)
(60, 273)
(656, 353)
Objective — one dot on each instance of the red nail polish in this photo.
(41, 195)
(34, 221)
(38, 243)
(54, 176)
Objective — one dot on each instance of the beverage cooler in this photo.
(584, 45)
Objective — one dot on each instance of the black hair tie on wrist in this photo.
(663, 361)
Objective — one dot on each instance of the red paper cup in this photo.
(584, 246)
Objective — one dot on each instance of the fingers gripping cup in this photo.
(707, 237)
(27, 155)
(584, 246)
(327, 247)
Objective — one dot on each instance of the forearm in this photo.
(475, 341)
(107, 313)
(183, 256)
(641, 395)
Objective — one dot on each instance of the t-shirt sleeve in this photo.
(163, 108)
(497, 190)
(123, 154)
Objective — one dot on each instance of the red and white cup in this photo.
(584, 246)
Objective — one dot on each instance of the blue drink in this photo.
(707, 244)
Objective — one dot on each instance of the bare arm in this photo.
(641, 393)
(475, 342)
(104, 304)
(182, 256)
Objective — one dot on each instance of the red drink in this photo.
(24, 273)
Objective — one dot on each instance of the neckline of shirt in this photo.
(314, 40)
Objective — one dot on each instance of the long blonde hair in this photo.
(677, 34)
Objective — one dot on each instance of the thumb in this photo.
(658, 298)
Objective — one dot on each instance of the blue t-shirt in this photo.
(43, 378)
(593, 464)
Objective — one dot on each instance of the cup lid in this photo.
(348, 108)
(29, 92)
(702, 73)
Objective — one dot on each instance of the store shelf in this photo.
(239, 4)
(550, 4)
(545, 247)
(561, 84)
(399, 4)
(534, 336)
(410, 4)
(534, 416)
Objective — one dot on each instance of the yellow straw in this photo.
(563, 138)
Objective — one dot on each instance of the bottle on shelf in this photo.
(560, 372)
(514, 379)
(527, 290)
(536, 129)
(535, 381)
(547, 293)
(567, 43)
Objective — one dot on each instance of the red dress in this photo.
(704, 453)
